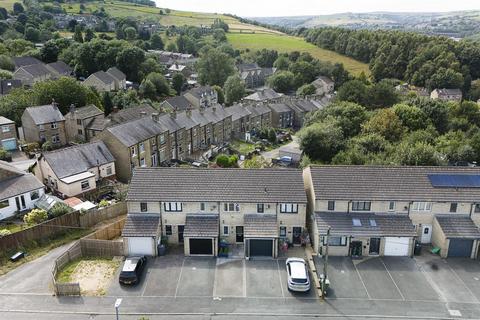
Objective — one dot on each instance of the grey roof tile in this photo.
(103, 76)
(15, 182)
(458, 226)
(77, 159)
(87, 112)
(116, 73)
(133, 132)
(61, 68)
(396, 183)
(201, 225)
(260, 226)
(386, 225)
(25, 61)
(232, 185)
(141, 225)
(4, 120)
(45, 114)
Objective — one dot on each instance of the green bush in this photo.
(59, 209)
(104, 203)
(3, 154)
(225, 161)
(47, 146)
(4, 232)
(35, 216)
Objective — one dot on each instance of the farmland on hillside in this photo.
(284, 43)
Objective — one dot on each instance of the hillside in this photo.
(168, 17)
(456, 24)
(284, 43)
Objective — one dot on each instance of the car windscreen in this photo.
(127, 274)
(299, 280)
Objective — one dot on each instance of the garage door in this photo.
(201, 246)
(460, 248)
(396, 246)
(261, 248)
(139, 246)
(9, 144)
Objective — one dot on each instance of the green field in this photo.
(284, 43)
(8, 4)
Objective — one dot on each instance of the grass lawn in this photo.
(284, 43)
(38, 249)
(242, 147)
(12, 227)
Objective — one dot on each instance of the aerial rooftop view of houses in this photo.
(159, 163)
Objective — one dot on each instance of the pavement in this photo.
(177, 287)
(274, 153)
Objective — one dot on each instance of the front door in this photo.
(239, 234)
(374, 246)
(356, 249)
(297, 235)
(180, 233)
(426, 236)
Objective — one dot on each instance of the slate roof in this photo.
(395, 183)
(61, 68)
(37, 70)
(458, 226)
(260, 226)
(103, 76)
(167, 122)
(449, 92)
(263, 95)
(25, 61)
(87, 112)
(45, 114)
(197, 92)
(4, 120)
(67, 162)
(179, 103)
(237, 111)
(199, 117)
(305, 105)
(233, 185)
(15, 182)
(132, 132)
(279, 107)
(141, 225)
(116, 73)
(259, 109)
(385, 225)
(96, 124)
(248, 67)
(6, 85)
(321, 80)
(201, 225)
(185, 121)
(128, 114)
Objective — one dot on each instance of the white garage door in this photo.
(139, 246)
(396, 246)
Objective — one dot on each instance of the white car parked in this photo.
(298, 278)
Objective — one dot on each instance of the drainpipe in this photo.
(348, 206)
(471, 210)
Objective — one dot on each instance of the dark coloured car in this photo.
(132, 270)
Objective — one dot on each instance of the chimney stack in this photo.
(155, 116)
(72, 108)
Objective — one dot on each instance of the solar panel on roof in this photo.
(454, 180)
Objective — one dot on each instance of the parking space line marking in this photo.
(432, 283)
(280, 278)
(361, 280)
(179, 277)
(390, 275)
(244, 278)
(463, 282)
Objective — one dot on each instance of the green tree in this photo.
(32, 34)
(6, 63)
(49, 52)
(35, 216)
(130, 33)
(282, 63)
(172, 47)
(89, 35)
(214, 67)
(220, 24)
(219, 35)
(418, 154)
(107, 103)
(321, 141)
(306, 90)
(256, 162)
(162, 87)
(386, 123)
(220, 94)
(18, 8)
(234, 89)
(282, 81)
(382, 94)
(455, 146)
(156, 42)
(354, 91)
(266, 58)
(178, 80)
(148, 90)
(411, 117)
(77, 35)
(59, 209)
(129, 61)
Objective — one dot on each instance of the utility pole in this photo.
(325, 266)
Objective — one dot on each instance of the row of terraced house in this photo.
(358, 211)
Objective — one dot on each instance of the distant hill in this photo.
(454, 24)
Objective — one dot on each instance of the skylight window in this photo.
(373, 223)
(356, 222)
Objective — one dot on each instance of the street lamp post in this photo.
(118, 302)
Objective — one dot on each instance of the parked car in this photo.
(132, 270)
(297, 275)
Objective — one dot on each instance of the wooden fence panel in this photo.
(101, 248)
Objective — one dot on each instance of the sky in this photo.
(276, 8)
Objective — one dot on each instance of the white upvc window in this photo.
(288, 207)
(85, 185)
(172, 206)
(133, 151)
(141, 147)
(422, 206)
(5, 129)
(53, 125)
(230, 207)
